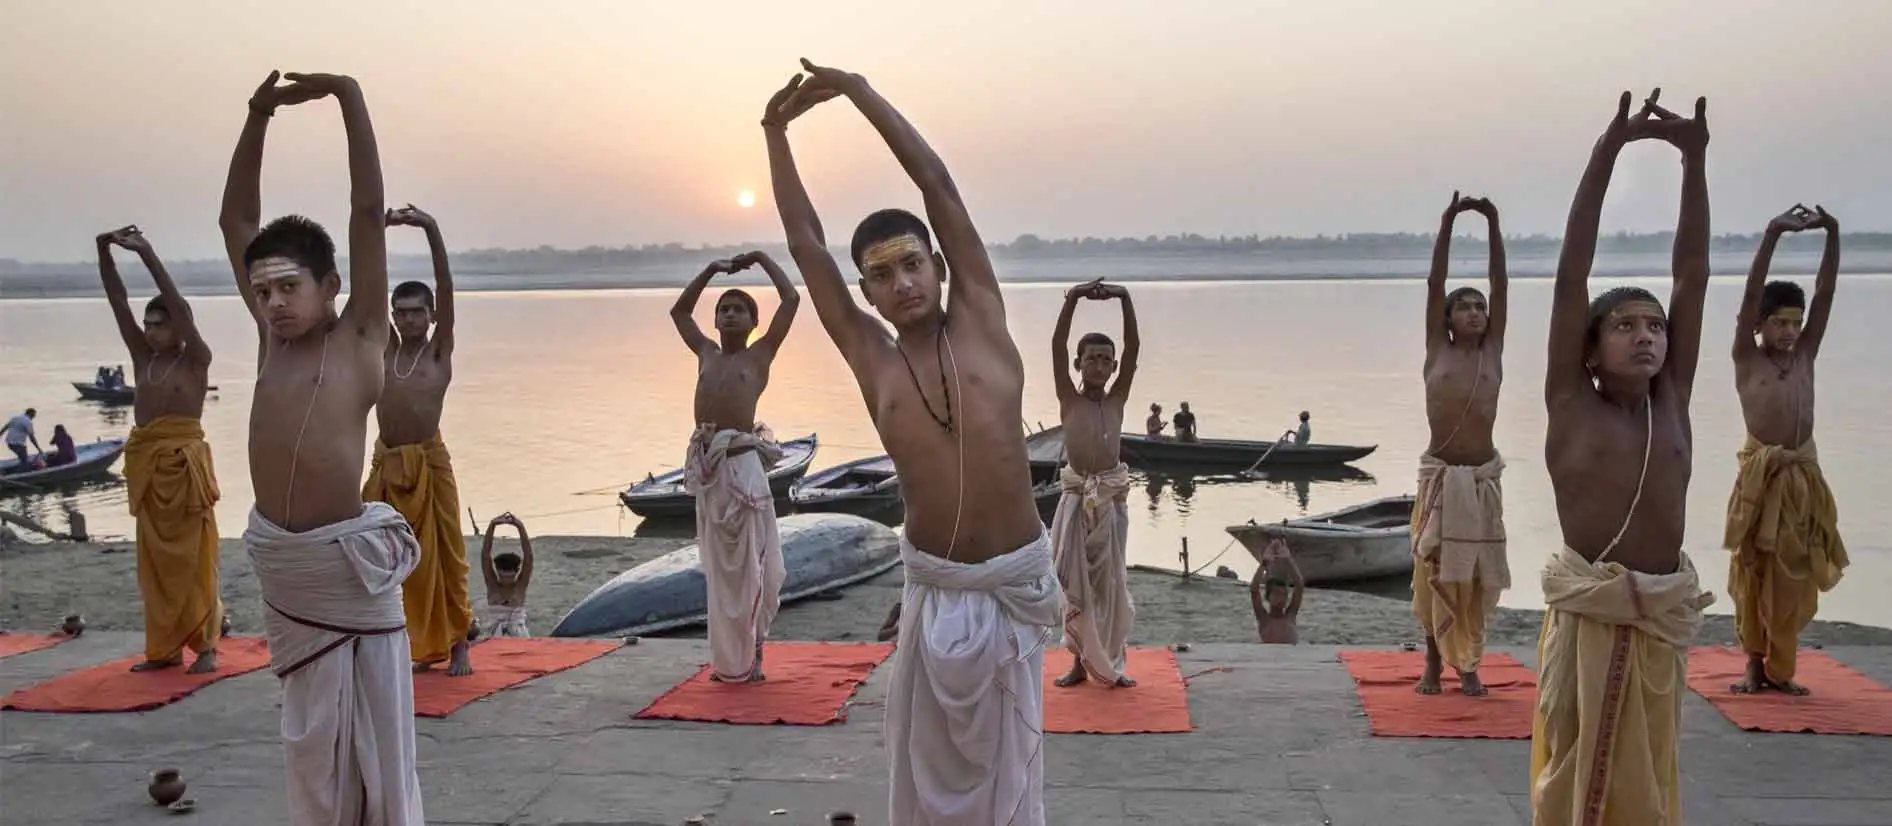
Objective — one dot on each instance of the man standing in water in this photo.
(1090, 533)
(411, 468)
(167, 465)
(965, 710)
(1783, 526)
(1623, 598)
(1458, 545)
(727, 465)
(329, 565)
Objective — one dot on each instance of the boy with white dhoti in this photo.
(728, 461)
(965, 715)
(1090, 533)
(330, 568)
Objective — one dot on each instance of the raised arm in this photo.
(367, 308)
(1570, 298)
(1748, 318)
(486, 556)
(973, 279)
(683, 313)
(1498, 309)
(1297, 582)
(242, 215)
(179, 310)
(849, 327)
(412, 216)
(1254, 596)
(1132, 343)
(1690, 262)
(525, 553)
(1436, 310)
(1822, 308)
(128, 329)
(1061, 343)
(784, 290)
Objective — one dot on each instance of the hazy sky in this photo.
(572, 123)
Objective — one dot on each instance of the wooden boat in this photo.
(1142, 452)
(820, 551)
(862, 486)
(1366, 541)
(664, 497)
(93, 391)
(94, 459)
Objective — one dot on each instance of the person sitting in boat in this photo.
(507, 576)
(19, 431)
(1154, 425)
(1275, 595)
(64, 452)
(1298, 436)
(104, 377)
(1185, 423)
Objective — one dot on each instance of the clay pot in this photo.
(841, 819)
(74, 625)
(167, 787)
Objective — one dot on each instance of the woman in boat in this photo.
(64, 452)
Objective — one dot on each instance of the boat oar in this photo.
(1264, 457)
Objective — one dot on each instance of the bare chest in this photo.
(169, 385)
(1618, 474)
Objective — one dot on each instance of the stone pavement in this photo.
(1280, 740)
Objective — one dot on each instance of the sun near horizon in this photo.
(745, 198)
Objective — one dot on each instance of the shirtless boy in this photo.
(507, 577)
(167, 463)
(411, 468)
(330, 567)
(1459, 567)
(727, 465)
(1623, 598)
(1090, 532)
(1275, 595)
(1783, 526)
(946, 394)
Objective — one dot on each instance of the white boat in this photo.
(1372, 540)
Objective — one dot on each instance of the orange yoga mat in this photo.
(1843, 701)
(500, 663)
(1385, 681)
(1157, 704)
(16, 643)
(113, 687)
(809, 684)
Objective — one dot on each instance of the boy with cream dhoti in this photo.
(330, 566)
(1623, 598)
(965, 709)
(1459, 565)
(727, 465)
(507, 576)
(1091, 529)
(411, 468)
(167, 463)
(1783, 526)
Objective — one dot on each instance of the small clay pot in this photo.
(841, 819)
(167, 787)
(74, 625)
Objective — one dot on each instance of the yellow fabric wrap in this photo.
(1612, 663)
(1783, 528)
(173, 490)
(1459, 566)
(417, 479)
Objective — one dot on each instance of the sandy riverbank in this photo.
(39, 584)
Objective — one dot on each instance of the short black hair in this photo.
(747, 301)
(1451, 298)
(296, 238)
(157, 305)
(1781, 294)
(1601, 306)
(1275, 582)
(410, 289)
(885, 224)
(1089, 339)
(507, 562)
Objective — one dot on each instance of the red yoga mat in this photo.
(1385, 681)
(500, 663)
(1157, 704)
(1843, 701)
(11, 644)
(114, 687)
(809, 684)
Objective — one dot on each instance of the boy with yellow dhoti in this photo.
(411, 468)
(1623, 602)
(1458, 544)
(1090, 533)
(167, 464)
(965, 709)
(737, 543)
(1783, 526)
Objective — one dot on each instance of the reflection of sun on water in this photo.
(745, 199)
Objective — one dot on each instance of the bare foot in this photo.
(1755, 681)
(1429, 679)
(459, 662)
(1125, 682)
(206, 663)
(1790, 687)
(159, 665)
(1470, 684)
(422, 668)
(758, 676)
(1075, 676)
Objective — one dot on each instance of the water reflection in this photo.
(64, 507)
(1298, 482)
